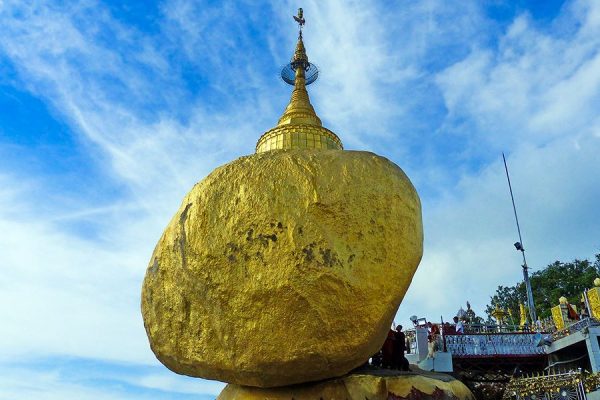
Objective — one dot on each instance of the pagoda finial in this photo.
(299, 59)
(300, 20)
(299, 110)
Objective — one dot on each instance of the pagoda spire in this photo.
(299, 127)
(299, 110)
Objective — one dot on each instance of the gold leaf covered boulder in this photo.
(283, 267)
(288, 265)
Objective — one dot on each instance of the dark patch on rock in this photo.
(328, 258)
(154, 267)
(186, 309)
(182, 234)
(308, 253)
(184, 213)
(231, 250)
(264, 240)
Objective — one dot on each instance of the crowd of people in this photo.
(397, 343)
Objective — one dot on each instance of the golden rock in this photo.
(283, 267)
(360, 387)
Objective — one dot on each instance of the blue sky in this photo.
(109, 113)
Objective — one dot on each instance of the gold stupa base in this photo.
(376, 384)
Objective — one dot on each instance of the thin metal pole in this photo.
(532, 312)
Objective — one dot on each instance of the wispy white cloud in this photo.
(104, 78)
(55, 382)
(25, 384)
(60, 293)
(169, 383)
(534, 87)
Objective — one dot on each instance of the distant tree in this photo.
(558, 279)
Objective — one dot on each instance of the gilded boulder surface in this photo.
(422, 386)
(283, 267)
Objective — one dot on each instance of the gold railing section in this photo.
(298, 137)
(593, 296)
(566, 385)
(558, 317)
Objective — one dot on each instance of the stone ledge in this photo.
(369, 384)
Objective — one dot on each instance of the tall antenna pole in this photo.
(519, 246)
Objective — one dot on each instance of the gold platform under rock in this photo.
(283, 267)
(363, 386)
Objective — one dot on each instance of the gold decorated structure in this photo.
(560, 313)
(299, 127)
(499, 314)
(287, 267)
(555, 385)
(593, 296)
(560, 316)
(522, 316)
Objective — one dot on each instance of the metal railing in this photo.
(493, 344)
(567, 385)
(575, 327)
(483, 341)
(489, 328)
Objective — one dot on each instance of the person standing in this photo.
(460, 328)
(434, 332)
(433, 329)
(583, 311)
(400, 362)
(387, 350)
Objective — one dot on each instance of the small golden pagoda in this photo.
(299, 127)
(499, 314)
